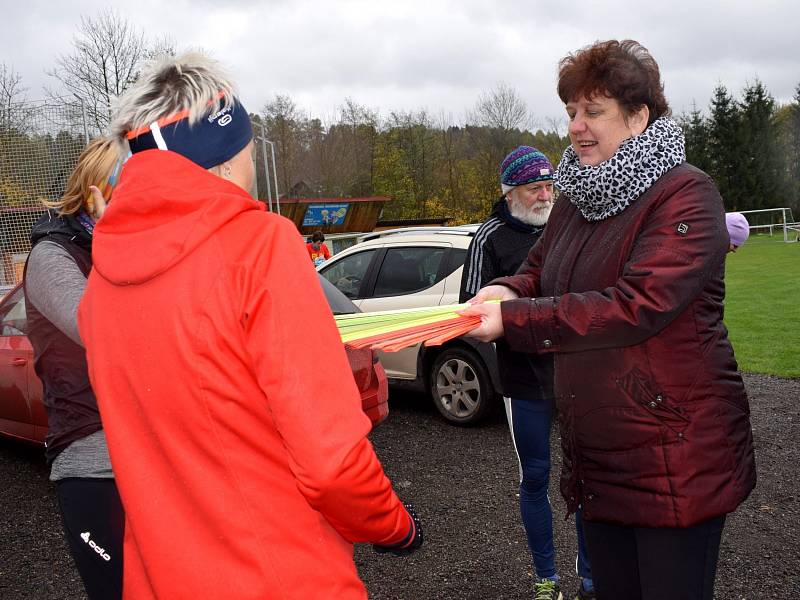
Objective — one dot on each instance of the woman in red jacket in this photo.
(625, 288)
(244, 466)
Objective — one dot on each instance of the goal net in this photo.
(773, 224)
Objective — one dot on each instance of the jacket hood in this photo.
(500, 208)
(52, 223)
(164, 207)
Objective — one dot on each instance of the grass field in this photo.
(762, 306)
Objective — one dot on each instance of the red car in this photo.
(22, 414)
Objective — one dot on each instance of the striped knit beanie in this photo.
(524, 165)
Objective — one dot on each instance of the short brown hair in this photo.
(622, 70)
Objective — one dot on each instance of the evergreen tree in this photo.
(696, 131)
(762, 172)
(724, 148)
(793, 151)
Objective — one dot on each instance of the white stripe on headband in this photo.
(159, 139)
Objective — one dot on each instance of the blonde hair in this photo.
(192, 82)
(95, 165)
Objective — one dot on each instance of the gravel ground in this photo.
(463, 483)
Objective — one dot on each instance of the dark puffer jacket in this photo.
(654, 416)
(59, 362)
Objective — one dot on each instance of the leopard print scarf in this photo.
(609, 188)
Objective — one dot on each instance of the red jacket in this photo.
(654, 417)
(242, 463)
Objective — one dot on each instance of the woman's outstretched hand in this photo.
(491, 326)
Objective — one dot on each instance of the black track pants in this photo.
(642, 563)
(94, 524)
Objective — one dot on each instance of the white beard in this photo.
(536, 215)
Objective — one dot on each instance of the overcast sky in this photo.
(438, 55)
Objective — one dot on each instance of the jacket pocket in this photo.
(636, 386)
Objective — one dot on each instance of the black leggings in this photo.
(94, 524)
(642, 563)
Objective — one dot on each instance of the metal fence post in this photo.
(275, 176)
(266, 165)
(785, 229)
(83, 115)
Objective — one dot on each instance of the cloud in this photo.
(439, 55)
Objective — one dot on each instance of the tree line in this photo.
(750, 146)
(431, 166)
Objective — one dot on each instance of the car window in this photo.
(408, 270)
(457, 258)
(13, 318)
(338, 302)
(347, 273)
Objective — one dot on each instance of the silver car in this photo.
(416, 267)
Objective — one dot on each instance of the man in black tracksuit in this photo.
(499, 247)
(497, 250)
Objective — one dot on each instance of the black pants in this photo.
(94, 523)
(642, 563)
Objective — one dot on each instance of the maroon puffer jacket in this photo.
(654, 417)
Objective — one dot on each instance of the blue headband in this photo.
(209, 142)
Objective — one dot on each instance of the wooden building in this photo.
(333, 215)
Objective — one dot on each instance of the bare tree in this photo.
(285, 123)
(106, 55)
(558, 125)
(453, 183)
(12, 95)
(361, 124)
(495, 125)
(347, 156)
(501, 108)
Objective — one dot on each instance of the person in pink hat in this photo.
(738, 230)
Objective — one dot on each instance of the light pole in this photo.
(83, 113)
(266, 166)
(275, 177)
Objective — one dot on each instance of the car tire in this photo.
(461, 387)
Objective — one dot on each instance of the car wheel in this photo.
(460, 387)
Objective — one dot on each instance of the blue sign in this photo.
(325, 214)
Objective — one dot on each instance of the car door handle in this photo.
(19, 362)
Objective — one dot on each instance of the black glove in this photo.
(404, 547)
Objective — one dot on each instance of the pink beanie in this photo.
(738, 228)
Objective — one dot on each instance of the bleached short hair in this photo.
(171, 84)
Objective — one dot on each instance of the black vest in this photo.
(61, 365)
